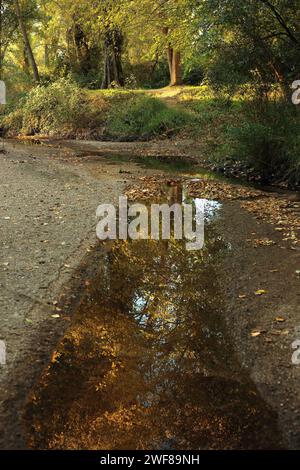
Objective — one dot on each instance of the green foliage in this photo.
(63, 109)
(143, 117)
(253, 41)
(147, 75)
(267, 141)
(58, 108)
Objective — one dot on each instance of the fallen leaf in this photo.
(280, 319)
(263, 242)
(260, 292)
(255, 334)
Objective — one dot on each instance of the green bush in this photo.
(143, 117)
(60, 107)
(266, 141)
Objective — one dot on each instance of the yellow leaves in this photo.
(260, 292)
(274, 332)
(262, 242)
(150, 189)
(279, 212)
(220, 191)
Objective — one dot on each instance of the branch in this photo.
(280, 20)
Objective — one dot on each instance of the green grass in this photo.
(144, 117)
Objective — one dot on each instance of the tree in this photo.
(8, 27)
(255, 41)
(174, 63)
(112, 70)
(26, 40)
(165, 22)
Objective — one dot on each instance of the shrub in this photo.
(143, 117)
(268, 142)
(57, 108)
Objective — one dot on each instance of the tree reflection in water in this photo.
(146, 363)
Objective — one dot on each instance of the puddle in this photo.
(168, 164)
(147, 362)
(175, 165)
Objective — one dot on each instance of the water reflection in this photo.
(146, 363)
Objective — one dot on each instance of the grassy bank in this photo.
(238, 135)
(64, 110)
(244, 136)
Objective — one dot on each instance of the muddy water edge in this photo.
(148, 362)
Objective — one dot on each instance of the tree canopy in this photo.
(151, 43)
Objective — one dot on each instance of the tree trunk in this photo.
(26, 63)
(174, 61)
(82, 49)
(27, 42)
(113, 70)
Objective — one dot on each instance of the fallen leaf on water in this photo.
(55, 316)
(242, 296)
(280, 319)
